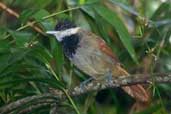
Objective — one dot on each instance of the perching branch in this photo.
(122, 81)
(59, 96)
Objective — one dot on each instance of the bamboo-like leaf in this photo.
(112, 18)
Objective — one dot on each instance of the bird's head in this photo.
(64, 28)
(66, 32)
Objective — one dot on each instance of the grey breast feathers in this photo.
(89, 57)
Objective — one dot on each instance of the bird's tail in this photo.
(136, 91)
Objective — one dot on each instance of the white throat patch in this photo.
(61, 34)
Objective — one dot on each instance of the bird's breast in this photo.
(91, 60)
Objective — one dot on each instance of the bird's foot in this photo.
(108, 77)
(84, 83)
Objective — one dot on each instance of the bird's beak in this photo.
(51, 32)
(61, 34)
(57, 34)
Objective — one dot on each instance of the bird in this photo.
(91, 54)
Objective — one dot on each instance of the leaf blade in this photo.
(112, 18)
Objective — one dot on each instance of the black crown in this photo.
(64, 24)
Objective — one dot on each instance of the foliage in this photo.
(32, 63)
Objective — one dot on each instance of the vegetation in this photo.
(32, 63)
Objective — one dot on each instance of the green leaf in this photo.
(47, 25)
(112, 18)
(21, 38)
(81, 1)
(3, 32)
(125, 7)
(41, 13)
(89, 11)
(88, 1)
(162, 12)
(52, 83)
(57, 54)
(4, 45)
(26, 14)
(41, 3)
(12, 58)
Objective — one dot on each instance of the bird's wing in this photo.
(136, 91)
(107, 50)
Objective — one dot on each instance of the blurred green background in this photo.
(32, 63)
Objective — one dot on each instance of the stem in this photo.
(54, 14)
(71, 101)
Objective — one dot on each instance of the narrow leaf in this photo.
(112, 18)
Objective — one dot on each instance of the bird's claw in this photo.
(84, 83)
(108, 77)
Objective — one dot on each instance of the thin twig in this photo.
(15, 14)
(8, 10)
